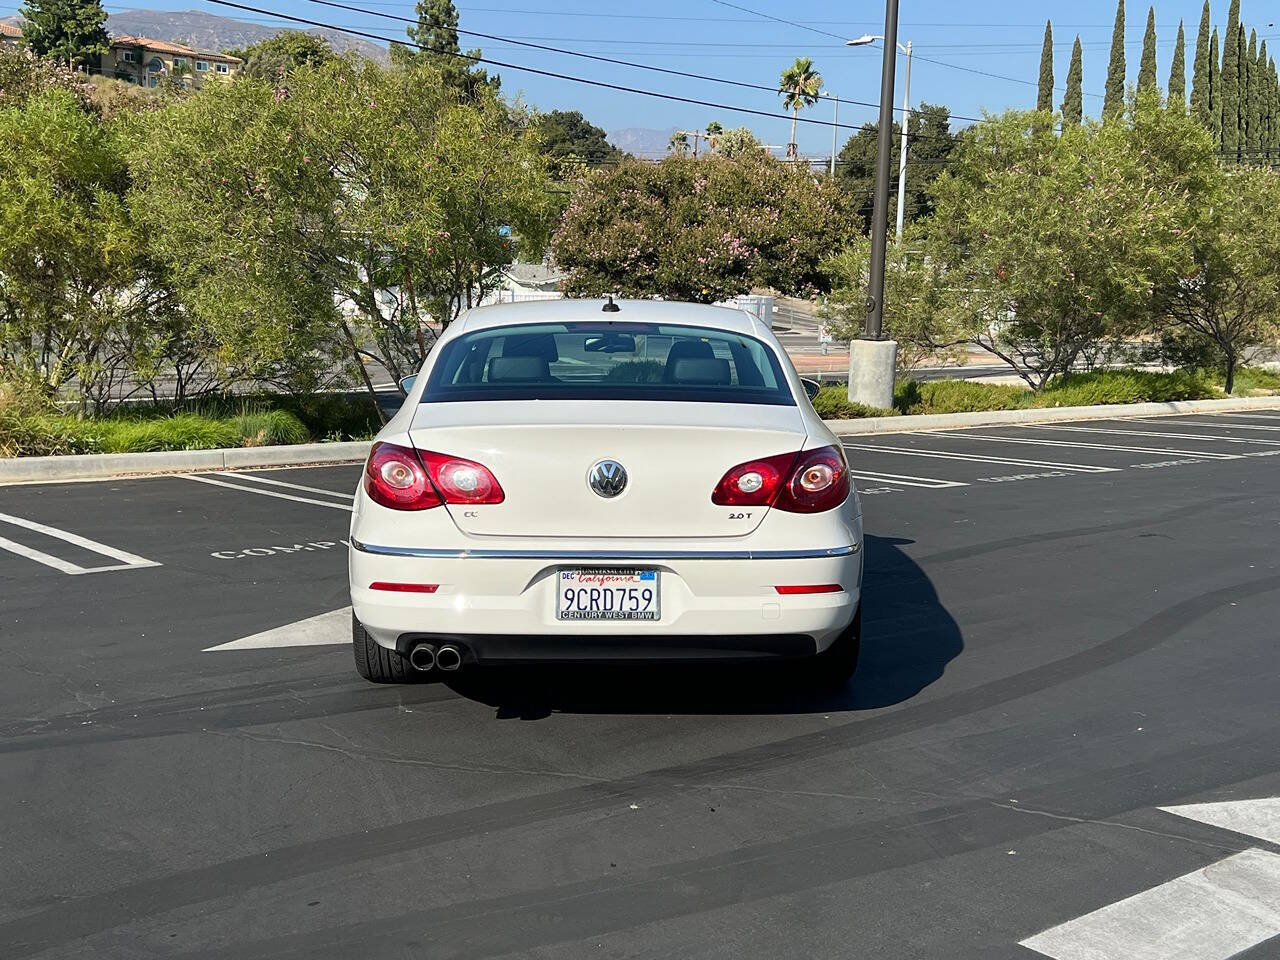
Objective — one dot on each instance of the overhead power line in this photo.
(544, 73)
(610, 60)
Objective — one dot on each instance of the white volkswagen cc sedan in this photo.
(584, 480)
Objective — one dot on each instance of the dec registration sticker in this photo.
(608, 593)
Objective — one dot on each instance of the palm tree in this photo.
(714, 130)
(798, 87)
(678, 143)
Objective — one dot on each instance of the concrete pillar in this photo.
(871, 367)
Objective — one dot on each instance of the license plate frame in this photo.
(614, 581)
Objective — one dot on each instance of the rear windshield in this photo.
(607, 361)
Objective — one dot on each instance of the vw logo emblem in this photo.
(607, 478)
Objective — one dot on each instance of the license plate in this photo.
(608, 593)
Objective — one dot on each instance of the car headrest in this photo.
(686, 350)
(701, 370)
(518, 369)
(531, 345)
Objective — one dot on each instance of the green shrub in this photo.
(1250, 380)
(1123, 386)
(832, 403)
(270, 428)
(956, 396)
(182, 432)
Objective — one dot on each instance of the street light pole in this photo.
(835, 129)
(872, 358)
(902, 153)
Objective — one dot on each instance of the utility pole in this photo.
(902, 154)
(872, 358)
(835, 128)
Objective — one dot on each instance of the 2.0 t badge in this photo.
(607, 478)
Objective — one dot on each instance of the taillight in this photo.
(806, 482)
(403, 478)
(462, 481)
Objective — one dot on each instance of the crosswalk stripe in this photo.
(1080, 444)
(1254, 818)
(978, 458)
(1209, 914)
(265, 493)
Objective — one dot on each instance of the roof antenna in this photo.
(611, 307)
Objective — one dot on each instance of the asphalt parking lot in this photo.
(1066, 629)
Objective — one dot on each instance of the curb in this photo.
(100, 465)
(1103, 411)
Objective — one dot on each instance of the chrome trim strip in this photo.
(488, 553)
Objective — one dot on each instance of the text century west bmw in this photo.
(585, 480)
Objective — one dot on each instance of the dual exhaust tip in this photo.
(427, 656)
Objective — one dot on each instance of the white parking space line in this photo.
(929, 483)
(127, 561)
(1209, 914)
(978, 458)
(265, 493)
(1036, 441)
(1233, 425)
(1274, 415)
(1161, 433)
(291, 486)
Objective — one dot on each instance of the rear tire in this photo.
(835, 666)
(376, 663)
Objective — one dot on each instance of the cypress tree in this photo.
(1073, 103)
(1252, 99)
(1147, 67)
(1231, 83)
(1215, 92)
(1113, 100)
(1178, 72)
(1264, 108)
(1200, 74)
(1044, 96)
(1275, 112)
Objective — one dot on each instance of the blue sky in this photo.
(711, 38)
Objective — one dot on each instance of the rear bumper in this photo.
(500, 605)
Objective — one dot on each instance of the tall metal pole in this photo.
(880, 221)
(835, 128)
(902, 154)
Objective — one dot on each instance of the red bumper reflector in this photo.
(810, 588)
(405, 587)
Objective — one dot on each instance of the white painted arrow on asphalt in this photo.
(329, 628)
(1209, 914)
(1254, 818)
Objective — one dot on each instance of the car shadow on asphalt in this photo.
(908, 638)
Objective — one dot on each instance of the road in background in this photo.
(1066, 629)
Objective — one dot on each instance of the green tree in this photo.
(915, 299)
(69, 31)
(701, 230)
(350, 217)
(1178, 71)
(1274, 126)
(1073, 102)
(1231, 296)
(435, 37)
(1044, 92)
(1147, 66)
(678, 143)
(72, 281)
(1231, 83)
(1215, 91)
(566, 134)
(1052, 245)
(799, 87)
(1252, 100)
(1113, 99)
(279, 55)
(737, 142)
(1200, 71)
